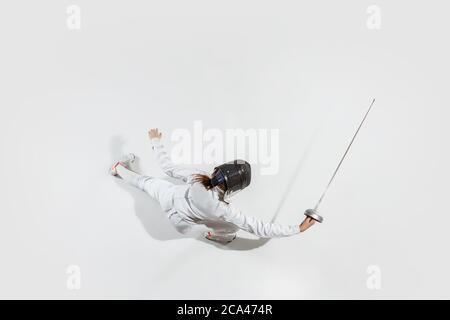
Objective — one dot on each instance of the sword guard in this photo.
(314, 215)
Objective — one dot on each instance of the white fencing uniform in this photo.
(191, 203)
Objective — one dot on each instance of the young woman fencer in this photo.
(202, 199)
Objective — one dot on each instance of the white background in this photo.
(71, 100)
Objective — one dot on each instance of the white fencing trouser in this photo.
(163, 191)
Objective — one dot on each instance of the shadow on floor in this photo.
(147, 210)
(238, 244)
(158, 226)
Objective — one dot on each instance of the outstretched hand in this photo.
(154, 134)
(307, 223)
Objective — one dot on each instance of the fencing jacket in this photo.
(197, 205)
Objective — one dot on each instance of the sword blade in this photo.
(343, 157)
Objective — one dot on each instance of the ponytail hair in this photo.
(206, 181)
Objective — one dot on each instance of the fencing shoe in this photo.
(220, 238)
(125, 161)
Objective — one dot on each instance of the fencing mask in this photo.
(235, 175)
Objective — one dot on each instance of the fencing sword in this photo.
(313, 213)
